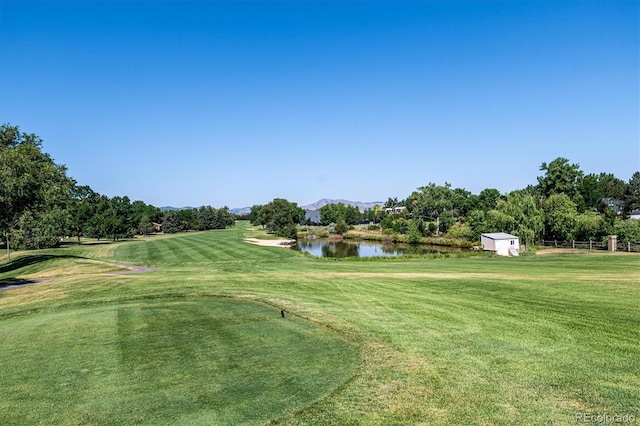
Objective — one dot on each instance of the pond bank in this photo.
(395, 238)
(323, 247)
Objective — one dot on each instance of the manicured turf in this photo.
(184, 361)
(477, 340)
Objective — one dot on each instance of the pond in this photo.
(358, 248)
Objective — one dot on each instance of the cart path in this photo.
(24, 282)
(131, 269)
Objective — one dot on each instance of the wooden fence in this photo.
(592, 245)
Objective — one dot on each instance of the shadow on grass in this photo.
(70, 242)
(9, 283)
(32, 259)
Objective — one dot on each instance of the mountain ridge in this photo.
(362, 206)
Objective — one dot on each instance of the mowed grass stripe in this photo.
(479, 340)
(478, 343)
(211, 249)
(190, 361)
(201, 248)
(167, 252)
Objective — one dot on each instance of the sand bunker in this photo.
(271, 243)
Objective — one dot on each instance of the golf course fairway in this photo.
(199, 338)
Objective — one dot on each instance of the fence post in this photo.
(590, 244)
(555, 243)
(573, 244)
(629, 246)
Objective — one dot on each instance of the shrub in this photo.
(461, 231)
(341, 227)
(414, 236)
(627, 230)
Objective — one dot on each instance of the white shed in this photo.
(501, 243)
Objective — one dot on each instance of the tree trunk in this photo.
(8, 250)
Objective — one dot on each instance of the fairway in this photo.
(436, 340)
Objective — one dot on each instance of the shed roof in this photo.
(500, 236)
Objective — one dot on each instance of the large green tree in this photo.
(488, 199)
(591, 192)
(435, 203)
(560, 177)
(282, 216)
(331, 213)
(256, 215)
(82, 208)
(519, 214)
(611, 186)
(29, 179)
(632, 193)
(223, 218)
(171, 223)
(560, 217)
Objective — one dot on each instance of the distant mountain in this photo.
(310, 207)
(243, 210)
(169, 208)
(360, 205)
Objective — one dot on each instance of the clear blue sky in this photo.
(236, 103)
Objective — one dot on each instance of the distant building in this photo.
(395, 210)
(615, 205)
(157, 226)
(501, 243)
(312, 216)
(635, 214)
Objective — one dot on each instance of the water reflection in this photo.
(350, 248)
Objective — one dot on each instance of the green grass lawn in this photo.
(170, 361)
(461, 340)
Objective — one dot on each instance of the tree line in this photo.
(40, 204)
(202, 219)
(564, 204)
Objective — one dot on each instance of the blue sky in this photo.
(236, 103)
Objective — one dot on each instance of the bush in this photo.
(341, 227)
(414, 236)
(289, 231)
(373, 227)
(628, 231)
(461, 231)
(401, 226)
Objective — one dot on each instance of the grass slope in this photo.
(478, 340)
